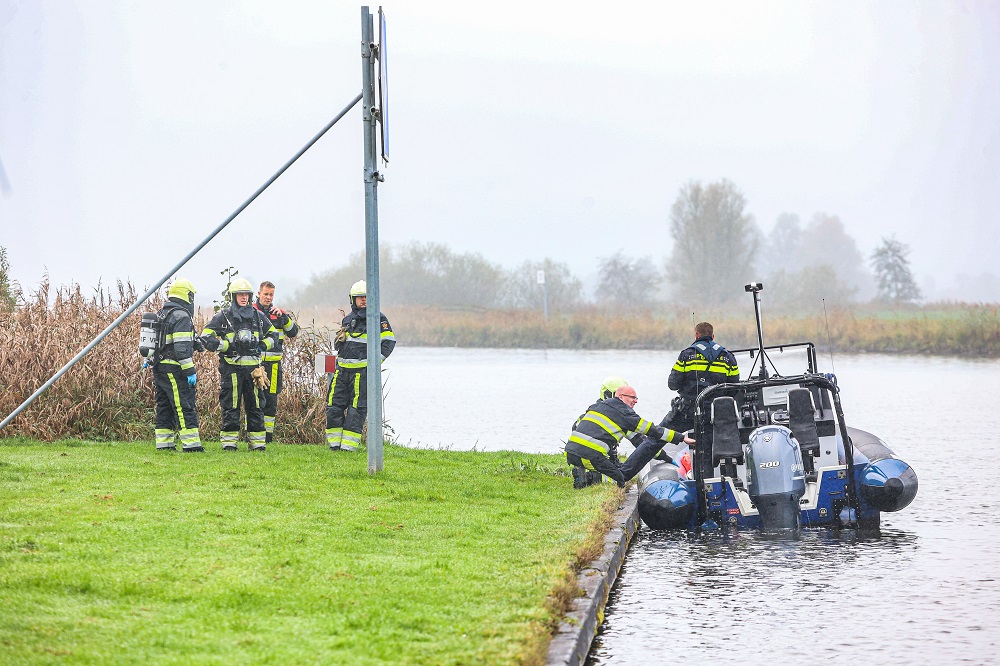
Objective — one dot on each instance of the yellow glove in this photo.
(260, 378)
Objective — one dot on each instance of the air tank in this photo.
(148, 330)
(775, 477)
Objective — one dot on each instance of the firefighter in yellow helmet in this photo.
(348, 388)
(173, 371)
(240, 334)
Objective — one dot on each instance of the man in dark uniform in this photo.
(286, 327)
(596, 435)
(240, 334)
(173, 372)
(704, 363)
(348, 388)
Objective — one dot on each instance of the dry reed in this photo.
(106, 395)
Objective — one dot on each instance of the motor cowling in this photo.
(775, 476)
(149, 333)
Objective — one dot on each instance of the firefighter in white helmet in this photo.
(173, 371)
(348, 388)
(240, 334)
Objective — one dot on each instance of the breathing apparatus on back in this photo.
(152, 332)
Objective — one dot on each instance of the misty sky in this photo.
(128, 130)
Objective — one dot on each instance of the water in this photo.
(926, 590)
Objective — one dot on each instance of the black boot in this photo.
(579, 477)
(268, 438)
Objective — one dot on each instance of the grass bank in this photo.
(114, 553)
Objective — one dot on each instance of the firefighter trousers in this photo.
(348, 392)
(175, 409)
(270, 396)
(236, 389)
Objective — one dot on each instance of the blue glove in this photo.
(193, 379)
(262, 347)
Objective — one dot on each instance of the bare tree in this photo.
(825, 241)
(714, 243)
(562, 287)
(629, 282)
(891, 266)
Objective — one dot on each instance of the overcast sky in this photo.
(130, 130)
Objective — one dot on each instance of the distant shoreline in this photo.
(940, 330)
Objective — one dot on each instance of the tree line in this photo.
(717, 248)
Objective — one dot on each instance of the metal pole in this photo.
(760, 335)
(152, 290)
(373, 306)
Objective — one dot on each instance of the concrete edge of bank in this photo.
(571, 643)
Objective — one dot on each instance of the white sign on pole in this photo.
(541, 277)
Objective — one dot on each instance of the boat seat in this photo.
(726, 431)
(802, 420)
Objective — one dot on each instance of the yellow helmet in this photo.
(182, 289)
(240, 285)
(359, 288)
(611, 384)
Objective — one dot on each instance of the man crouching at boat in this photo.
(597, 433)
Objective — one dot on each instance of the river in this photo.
(926, 590)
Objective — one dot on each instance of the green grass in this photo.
(115, 553)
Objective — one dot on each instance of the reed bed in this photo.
(942, 329)
(107, 395)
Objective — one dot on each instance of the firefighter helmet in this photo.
(610, 385)
(239, 286)
(359, 288)
(182, 289)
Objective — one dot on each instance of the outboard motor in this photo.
(664, 500)
(775, 476)
(149, 332)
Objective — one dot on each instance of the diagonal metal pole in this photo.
(142, 299)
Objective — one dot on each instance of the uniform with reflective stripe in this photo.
(236, 361)
(347, 393)
(286, 327)
(594, 440)
(703, 364)
(176, 416)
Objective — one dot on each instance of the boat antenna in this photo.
(755, 288)
(829, 338)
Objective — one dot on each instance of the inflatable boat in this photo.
(775, 452)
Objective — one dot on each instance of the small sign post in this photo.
(545, 297)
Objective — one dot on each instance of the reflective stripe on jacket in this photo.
(354, 353)
(703, 364)
(607, 422)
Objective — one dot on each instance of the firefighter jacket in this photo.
(176, 337)
(354, 353)
(283, 324)
(703, 364)
(237, 334)
(606, 423)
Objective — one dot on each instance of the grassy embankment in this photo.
(114, 553)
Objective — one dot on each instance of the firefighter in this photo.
(241, 334)
(596, 434)
(286, 327)
(348, 387)
(704, 363)
(173, 372)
